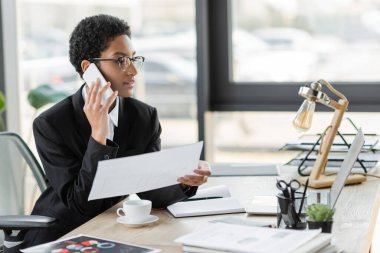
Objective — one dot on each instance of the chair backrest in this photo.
(21, 176)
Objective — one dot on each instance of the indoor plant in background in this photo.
(2, 108)
(320, 216)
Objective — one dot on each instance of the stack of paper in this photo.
(306, 142)
(219, 237)
(369, 159)
(213, 200)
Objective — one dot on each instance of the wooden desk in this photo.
(354, 220)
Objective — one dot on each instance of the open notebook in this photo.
(209, 201)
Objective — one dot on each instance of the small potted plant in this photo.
(320, 216)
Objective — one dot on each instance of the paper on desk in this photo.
(134, 174)
(213, 191)
(240, 238)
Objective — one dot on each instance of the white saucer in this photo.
(124, 220)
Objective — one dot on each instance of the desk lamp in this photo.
(312, 94)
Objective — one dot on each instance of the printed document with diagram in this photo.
(134, 174)
(243, 239)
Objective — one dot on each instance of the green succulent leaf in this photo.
(320, 212)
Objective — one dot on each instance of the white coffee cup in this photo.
(136, 210)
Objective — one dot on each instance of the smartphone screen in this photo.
(90, 76)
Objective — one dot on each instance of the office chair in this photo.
(17, 162)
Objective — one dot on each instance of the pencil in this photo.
(303, 196)
(195, 199)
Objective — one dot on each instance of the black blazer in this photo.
(70, 157)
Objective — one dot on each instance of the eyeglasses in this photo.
(124, 62)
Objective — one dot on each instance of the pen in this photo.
(303, 196)
(269, 226)
(195, 199)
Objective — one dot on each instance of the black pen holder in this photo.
(289, 214)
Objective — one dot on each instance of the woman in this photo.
(78, 132)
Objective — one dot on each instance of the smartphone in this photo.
(90, 76)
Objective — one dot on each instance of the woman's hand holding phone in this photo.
(96, 112)
(91, 74)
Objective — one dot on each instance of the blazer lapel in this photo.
(81, 119)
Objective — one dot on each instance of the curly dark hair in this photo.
(92, 35)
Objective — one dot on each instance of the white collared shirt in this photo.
(113, 119)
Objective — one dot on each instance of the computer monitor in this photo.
(346, 167)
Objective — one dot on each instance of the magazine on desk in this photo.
(209, 201)
(85, 243)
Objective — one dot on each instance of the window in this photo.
(262, 51)
(150, 66)
(162, 30)
(297, 41)
(257, 137)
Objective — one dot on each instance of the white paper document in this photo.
(239, 238)
(213, 191)
(134, 174)
(262, 205)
